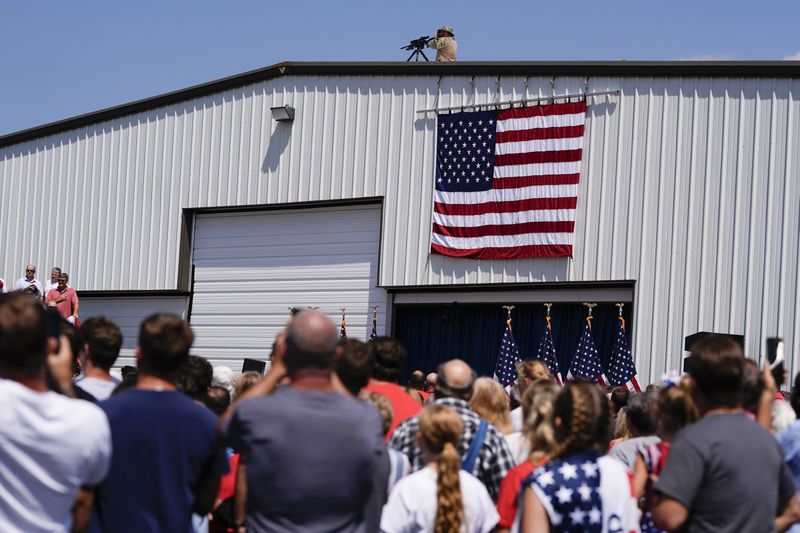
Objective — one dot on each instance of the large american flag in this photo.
(505, 370)
(507, 182)
(621, 369)
(586, 363)
(547, 353)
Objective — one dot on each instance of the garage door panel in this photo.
(278, 273)
(340, 252)
(233, 241)
(221, 293)
(251, 267)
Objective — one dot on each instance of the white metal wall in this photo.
(690, 188)
(249, 267)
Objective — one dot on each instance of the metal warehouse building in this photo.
(200, 203)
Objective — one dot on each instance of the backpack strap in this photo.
(468, 464)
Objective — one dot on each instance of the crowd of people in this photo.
(329, 439)
(54, 293)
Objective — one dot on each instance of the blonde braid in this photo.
(449, 507)
(440, 428)
(537, 406)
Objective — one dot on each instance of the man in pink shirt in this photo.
(64, 298)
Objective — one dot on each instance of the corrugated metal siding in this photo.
(690, 187)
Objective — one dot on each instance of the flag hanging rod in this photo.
(512, 103)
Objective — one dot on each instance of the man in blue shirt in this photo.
(167, 458)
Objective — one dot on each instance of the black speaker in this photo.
(254, 364)
(689, 341)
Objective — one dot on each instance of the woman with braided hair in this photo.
(439, 498)
(579, 489)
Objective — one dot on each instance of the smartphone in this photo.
(776, 357)
(54, 326)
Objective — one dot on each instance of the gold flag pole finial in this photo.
(622, 320)
(508, 309)
(548, 305)
(589, 318)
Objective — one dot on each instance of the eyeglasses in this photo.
(29, 270)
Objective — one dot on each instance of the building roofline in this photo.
(682, 69)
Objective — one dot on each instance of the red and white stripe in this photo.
(633, 385)
(530, 210)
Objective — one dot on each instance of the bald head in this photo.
(455, 380)
(311, 341)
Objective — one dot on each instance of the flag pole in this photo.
(374, 333)
(508, 309)
(589, 318)
(548, 305)
(343, 331)
(622, 320)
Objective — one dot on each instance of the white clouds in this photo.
(793, 57)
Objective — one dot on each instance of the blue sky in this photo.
(64, 58)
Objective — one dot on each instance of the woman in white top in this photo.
(440, 498)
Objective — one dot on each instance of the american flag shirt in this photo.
(586, 493)
(494, 459)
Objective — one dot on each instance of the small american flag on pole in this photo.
(547, 353)
(586, 363)
(505, 370)
(621, 370)
(507, 182)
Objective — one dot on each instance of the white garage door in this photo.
(250, 267)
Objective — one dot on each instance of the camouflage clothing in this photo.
(445, 48)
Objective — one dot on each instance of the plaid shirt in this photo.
(494, 459)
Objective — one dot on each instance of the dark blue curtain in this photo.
(473, 332)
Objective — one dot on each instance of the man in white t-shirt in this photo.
(103, 341)
(30, 279)
(55, 273)
(53, 449)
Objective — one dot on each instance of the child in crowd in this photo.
(441, 497)
(537, 408)
(580, 489)
(674, 410)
